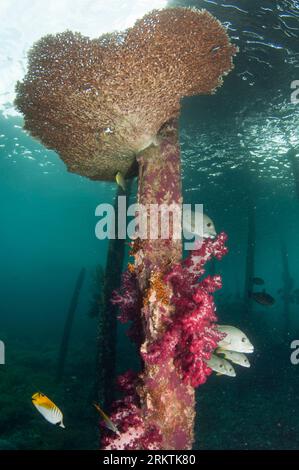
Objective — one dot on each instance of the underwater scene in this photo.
(149, 186)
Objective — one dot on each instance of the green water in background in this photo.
(234, 155)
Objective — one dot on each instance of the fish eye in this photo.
(209, 224)
(243, 339)
(221, 365)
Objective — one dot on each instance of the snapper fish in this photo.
(258, 281)
(120, 181)
(235, 357)
(108, 423)
(48, 409)
(209, 230)
(235, 340)
(262, 298)
(221, 366)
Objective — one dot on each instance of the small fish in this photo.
(215, 49)
(262, 298)
(258, 281)
(48, 409)
(109, 424)
(120, 180)
(235, 357)
(235, 340)
(221, 366)
(209, 230)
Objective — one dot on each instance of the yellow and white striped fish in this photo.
(48, 409)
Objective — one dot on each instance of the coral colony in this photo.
(191, 337)
(131, 84)
(188, 340)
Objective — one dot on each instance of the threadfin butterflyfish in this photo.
(48, 409)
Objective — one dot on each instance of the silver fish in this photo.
(235, 340)
(235, 357)
(209, 230)
(221, 366)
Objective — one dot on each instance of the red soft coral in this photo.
(192, 336)
(126, 415)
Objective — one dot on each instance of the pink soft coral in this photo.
(129, 301)
(127, 416)
(192, 336)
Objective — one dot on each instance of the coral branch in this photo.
(127, 298)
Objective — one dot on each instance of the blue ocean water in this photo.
(235, 157)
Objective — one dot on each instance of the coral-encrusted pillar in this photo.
(168, 403)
